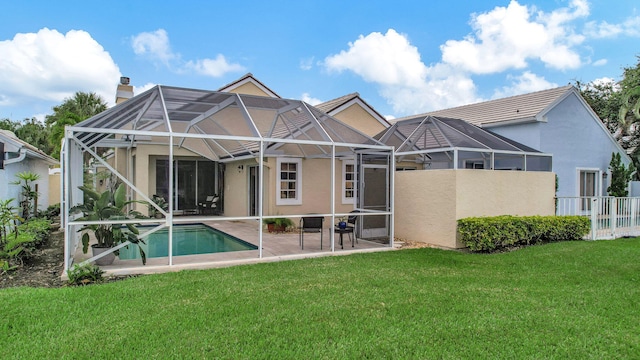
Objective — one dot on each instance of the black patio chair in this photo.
(351, 223)
(209, 205)
(309, 224)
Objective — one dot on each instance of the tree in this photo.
(30, 131)
(620, 176)
(35, 133)
(618, 105)
(73, 110)
(6, 124)
(605, 100)
(29, 194)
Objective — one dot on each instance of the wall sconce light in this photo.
(604, 175)
(240, 168)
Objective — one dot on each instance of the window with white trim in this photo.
(289, 184)
(348, 182)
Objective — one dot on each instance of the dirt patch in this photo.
(43, 269)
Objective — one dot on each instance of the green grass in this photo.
(575, 300)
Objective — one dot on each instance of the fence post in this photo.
(613, 222)
(594, 217)
(634, 204)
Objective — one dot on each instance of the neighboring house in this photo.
(352, 110)
(555, 121)
(18, 156)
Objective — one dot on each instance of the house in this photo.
(555, 121)
(18, 156)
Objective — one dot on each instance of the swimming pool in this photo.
(187, 240)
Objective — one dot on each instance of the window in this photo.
(474, 164)
(348, 182)
(288, 188)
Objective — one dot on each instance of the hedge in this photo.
(493, 233)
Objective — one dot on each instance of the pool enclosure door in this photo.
(253, 191)
(373, 195)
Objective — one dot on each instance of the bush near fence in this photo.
(486, 234)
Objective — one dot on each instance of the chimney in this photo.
(124, 91)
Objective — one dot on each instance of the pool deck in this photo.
(275, 247)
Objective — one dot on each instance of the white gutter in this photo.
(23, 155)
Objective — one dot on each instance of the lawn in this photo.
(576, 300)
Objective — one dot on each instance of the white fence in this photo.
(611, 217)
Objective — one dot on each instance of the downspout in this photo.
(23, 155)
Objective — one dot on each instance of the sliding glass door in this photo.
(194, 180)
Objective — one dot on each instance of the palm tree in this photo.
(72, 111)
(28, 193)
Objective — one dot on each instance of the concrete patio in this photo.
(276, 247)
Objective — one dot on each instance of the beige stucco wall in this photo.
(358, 118)
(316, 188)
(54, 189)
(249, 88)
(428, 203)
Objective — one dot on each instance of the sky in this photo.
(402, 57)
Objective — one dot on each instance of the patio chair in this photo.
(351, 224)
(309, 224)
(349, 230)
(209, 205)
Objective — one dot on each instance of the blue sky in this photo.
(403, 57)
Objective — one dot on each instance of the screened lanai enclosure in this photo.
(429, 142)
(227, 159)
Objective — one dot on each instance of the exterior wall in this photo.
(54, 188)
(10, 191)
(144, 174)
(249, 88)
(574, 137)
(358, 118)
(316, 188)
(236, 188)
(428, 203)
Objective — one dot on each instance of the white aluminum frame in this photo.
(169, 221)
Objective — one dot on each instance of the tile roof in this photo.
(34, 151)
(331, 105)
(515, 108)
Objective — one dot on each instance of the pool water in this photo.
(187, 240)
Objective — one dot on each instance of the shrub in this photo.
(85, 274)
(492, 233)
(22, 243)
(51, 212)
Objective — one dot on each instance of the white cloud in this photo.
(600, 62)
(156, 46)
(306, 64)
(630, 27)
(40, 117)
(213, 67)
(52, 66)
(137, 90)
(526, 83)
(310, 100)
(390, 61)
(604, 81)
(387, 59)
(507, 37)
